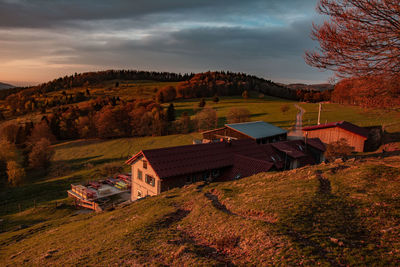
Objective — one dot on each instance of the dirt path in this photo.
(222, 207)
(299, 120)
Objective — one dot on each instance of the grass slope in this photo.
(268, 109)
(267, 219)
(77, 161)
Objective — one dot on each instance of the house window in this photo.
(150, 180)
(139, 175)
(144, 164)
(139, 194)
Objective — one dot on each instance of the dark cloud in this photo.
(266, 38)
(54, 13)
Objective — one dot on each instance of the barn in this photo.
(334, 131)
(259, 131)
(157, 170)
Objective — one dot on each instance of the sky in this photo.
(41, 40)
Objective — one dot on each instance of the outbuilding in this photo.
(334, 131)
(259, 131)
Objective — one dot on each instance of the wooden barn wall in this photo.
(329, 135)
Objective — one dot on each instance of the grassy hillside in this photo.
(269, 109)
(274, 218)
(77, 161)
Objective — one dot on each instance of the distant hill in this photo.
(5, 86)
(311, 87)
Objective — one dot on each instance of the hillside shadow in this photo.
(258, 114)
(12, 199)
(391, 137)
(221, 121)
(324, 224)
(179, 112)
(379, 154)
(78, 143)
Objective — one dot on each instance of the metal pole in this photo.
(319, 113)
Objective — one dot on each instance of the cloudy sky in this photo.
(43, 39)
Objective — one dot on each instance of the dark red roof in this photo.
(316, 143)
(294, 149)
(273, 155)
(245, 166)
(180, 160)
(242, 156)
(341, 124)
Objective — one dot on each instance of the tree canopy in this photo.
(361, 38)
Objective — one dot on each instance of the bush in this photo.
(41, 154)
(338, 149)
(15, 173)
(183, 124)
(215, 99)
(245, 94)
(206, 119)
(236, 115)
(285, 108)
(202, 103)
(41, 130)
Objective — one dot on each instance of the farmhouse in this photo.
(259, 131)
(157, 170)
(334, 131)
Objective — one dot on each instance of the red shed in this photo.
(334, 131)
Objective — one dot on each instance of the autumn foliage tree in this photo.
(361, 40)
(41, 130)
(236, 115)
(338, 149)
(15, 173)
(11, 167)
(40, 156)
(206, 119)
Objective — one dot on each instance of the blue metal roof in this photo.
(257, 129)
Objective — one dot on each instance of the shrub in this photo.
(183, 124)
(245, 94)
(206, 119)
(285, 108)
(41, 154)
(202, 103)
(338, 149)
(15, 173)
(215, 99)
(41, 130)
(236, 115)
